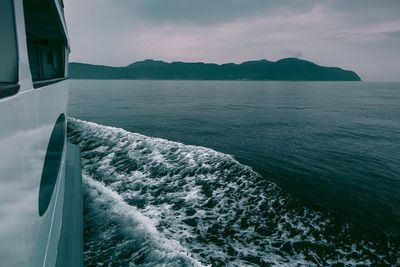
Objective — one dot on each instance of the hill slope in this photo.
(288, 69)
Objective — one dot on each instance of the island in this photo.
(287, 69)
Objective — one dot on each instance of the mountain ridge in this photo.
(286, 69)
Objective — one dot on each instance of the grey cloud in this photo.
(361, 35)
(394, 34)
(365, 6)
(365, 12)
(293, 53)
(209, 11)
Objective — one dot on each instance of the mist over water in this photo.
(150, 201)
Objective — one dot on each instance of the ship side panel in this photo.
(26, 124)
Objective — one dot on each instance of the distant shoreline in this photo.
(288, 69)
(204, 80)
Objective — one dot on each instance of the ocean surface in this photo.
(216, 173)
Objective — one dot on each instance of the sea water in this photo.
(192, 173)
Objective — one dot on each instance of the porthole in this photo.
(52, 164)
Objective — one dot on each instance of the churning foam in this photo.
(136, 234)
(150, 201)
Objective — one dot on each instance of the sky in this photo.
(360, 35)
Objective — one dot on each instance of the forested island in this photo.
(287, 69)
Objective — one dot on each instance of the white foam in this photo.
(202, 202)
(136, 224)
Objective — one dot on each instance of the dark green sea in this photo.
(232, 173)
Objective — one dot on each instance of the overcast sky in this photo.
(361, 35)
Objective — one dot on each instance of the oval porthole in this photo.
(52, 164)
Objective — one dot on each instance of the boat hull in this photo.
(27, 123)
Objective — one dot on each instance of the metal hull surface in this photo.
(26, 123)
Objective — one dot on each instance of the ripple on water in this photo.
(150, 201)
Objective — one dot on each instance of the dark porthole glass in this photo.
(52, 164)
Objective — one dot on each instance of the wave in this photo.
(118, 233)
(150, 201)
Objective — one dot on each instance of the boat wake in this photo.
(150, 201)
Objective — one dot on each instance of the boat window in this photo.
(8, 50)
(45, 41)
